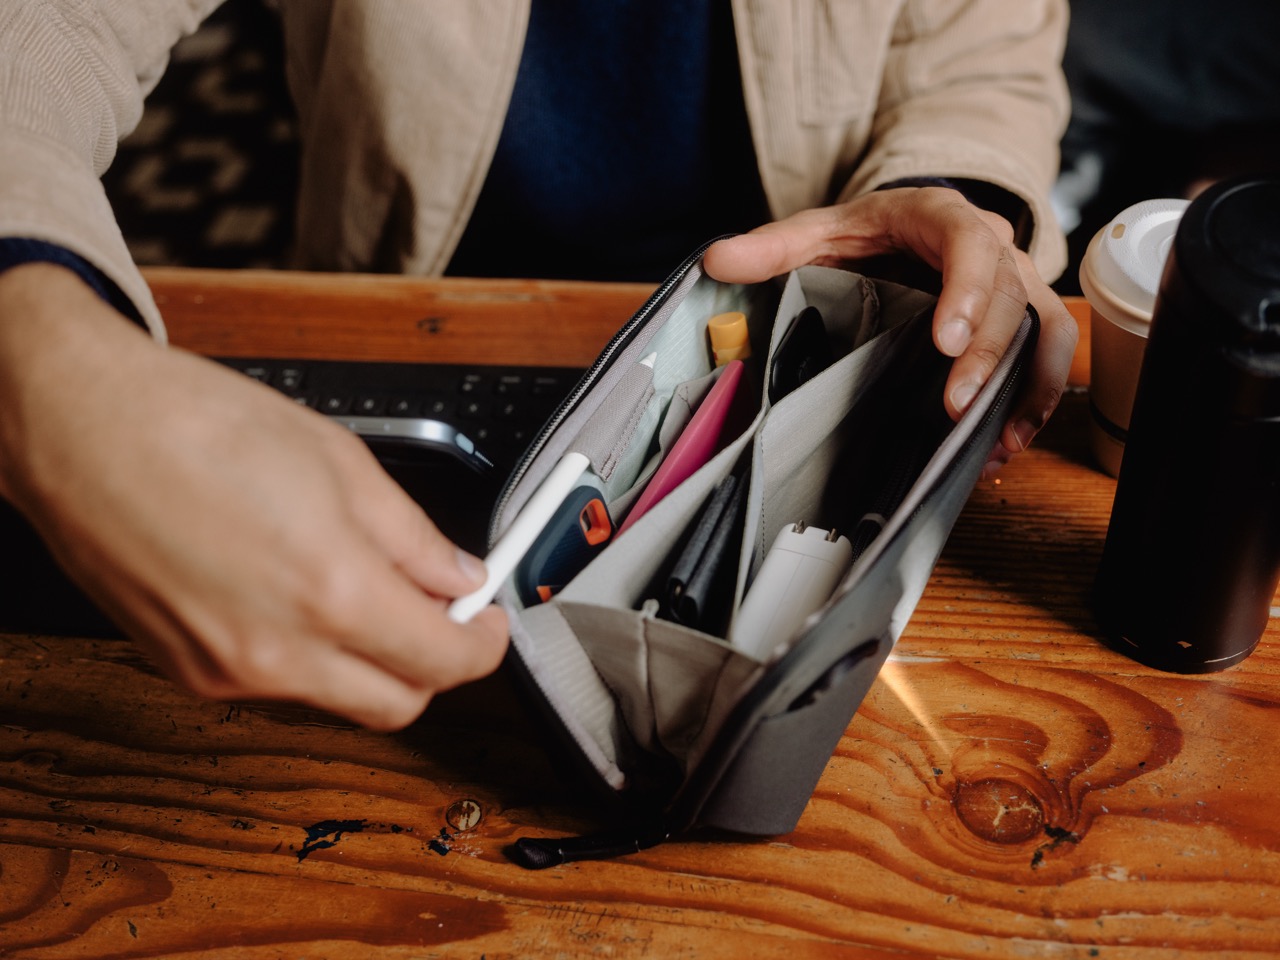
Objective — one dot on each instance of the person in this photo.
(255, 549)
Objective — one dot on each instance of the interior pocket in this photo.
(672, 685)
(625, 573)
(796, 454)
(639, 462)
(848, 303)
(810, 450)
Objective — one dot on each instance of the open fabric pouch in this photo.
(684, 724)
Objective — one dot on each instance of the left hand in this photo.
(986, 286)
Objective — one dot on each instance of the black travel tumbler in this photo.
(1192, 556)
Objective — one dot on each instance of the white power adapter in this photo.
(798, 575)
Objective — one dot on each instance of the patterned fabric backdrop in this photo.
(208, 177)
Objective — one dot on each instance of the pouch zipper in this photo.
(601, 363)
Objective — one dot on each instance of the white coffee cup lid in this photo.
(1131, 251)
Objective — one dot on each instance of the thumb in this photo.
(747, 258)
(775, 248)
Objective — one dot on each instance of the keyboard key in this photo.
(289, 379)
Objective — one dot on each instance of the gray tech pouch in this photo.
(679, 727)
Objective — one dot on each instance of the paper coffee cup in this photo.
(1119, 275)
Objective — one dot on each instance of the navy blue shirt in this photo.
(626, 145)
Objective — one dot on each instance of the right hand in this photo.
(254, 548)
(986, 286)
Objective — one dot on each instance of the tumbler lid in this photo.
(1228, 250)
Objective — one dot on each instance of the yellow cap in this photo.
(730, 339)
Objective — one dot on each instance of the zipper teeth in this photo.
(1011, 382)
(602, 362)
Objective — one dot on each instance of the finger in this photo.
(362, 691)
(388, 620)
(365, 694)
(375, 673)
(265, 666)
(355, 681)
(341, 683)
(776, 248)
(988, 339)
(1050, 365)
(914, 220)
(408, 537)
(425, 555)
(975, 257)
(877, 223)
(1000, 455)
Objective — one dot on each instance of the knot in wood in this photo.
(999, 810)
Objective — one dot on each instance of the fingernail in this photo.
(963, 395)
(954, 336)
(1024, 432)
(473, 567)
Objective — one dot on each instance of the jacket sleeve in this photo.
(73, 74)
(973, 90)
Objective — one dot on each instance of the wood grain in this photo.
(1010, 787)
(305, 315)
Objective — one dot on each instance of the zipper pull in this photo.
(535, 853)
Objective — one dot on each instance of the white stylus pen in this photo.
(519, 537)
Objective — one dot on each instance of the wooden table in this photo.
(1010, 787)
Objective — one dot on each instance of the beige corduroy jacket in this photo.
(401, 103)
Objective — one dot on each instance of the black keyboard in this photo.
(485, 416)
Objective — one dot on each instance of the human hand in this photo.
(986, 286)
(254, 548)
